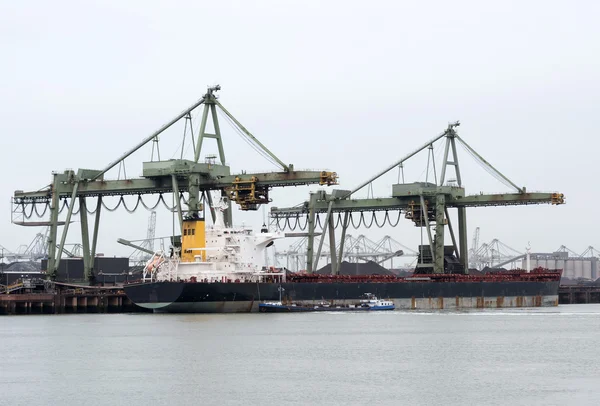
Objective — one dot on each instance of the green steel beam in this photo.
(164, 184)
(149, 138)
(322, 239)
(66, 228)
(425, 215)
(95, 237)
(217, 135)
(53, 235)
(201, 133)
(506, 199)
(342, 241)
(452, 235)
(462, 238)
(85, 238)
(332, 252)
(178, 203)
(395, 165)
(193, 189)
(439, 234)
(400, 203)
(311, 233)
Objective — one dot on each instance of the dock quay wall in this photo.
(67, 301)
(578, 294)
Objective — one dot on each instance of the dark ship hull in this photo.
(511, 289)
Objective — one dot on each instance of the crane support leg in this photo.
(440, 204)
(201, 133)
(332, 245)
(452, 236)
(228, 214)
(177, 201)
(95, 238)
(342, 242)
(193, 195)
(455, 156)
(53, 229)
(96, 226)
(445, 162)
(311, 234)
(426, 217)
(85, 238)
(462, 237)
(208, 199)
(322, 239)
(213, 110)
(66, 226)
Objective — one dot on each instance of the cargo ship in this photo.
(214, 271)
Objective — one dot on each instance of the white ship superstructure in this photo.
(230, 254)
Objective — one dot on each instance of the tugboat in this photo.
(370, 302)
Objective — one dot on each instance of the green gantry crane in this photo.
(177, 176)
(426, 204)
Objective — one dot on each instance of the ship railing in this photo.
(159, 263)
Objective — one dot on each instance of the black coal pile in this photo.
(24, 267)
(361, 268)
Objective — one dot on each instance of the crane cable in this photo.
(246, 139)
(121, 201)
(292, 223)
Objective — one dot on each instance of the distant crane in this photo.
(148, 243)
(38, 248)
(590, 252)
(570, 252)
(356, 249)
(495, 254)
(474, 261)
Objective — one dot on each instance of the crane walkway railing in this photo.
(11, 288)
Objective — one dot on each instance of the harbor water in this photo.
(541, 356)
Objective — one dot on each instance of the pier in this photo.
(63, 298)
(578, 294)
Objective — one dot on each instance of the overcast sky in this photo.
(341, 85)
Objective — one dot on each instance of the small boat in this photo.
(369, 303)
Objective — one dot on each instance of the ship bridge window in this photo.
(193, 231)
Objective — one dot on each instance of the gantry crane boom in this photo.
(453, 199)
(154, 183)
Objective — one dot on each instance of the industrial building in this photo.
(573, 267)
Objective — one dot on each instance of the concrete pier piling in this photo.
(579, 294)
